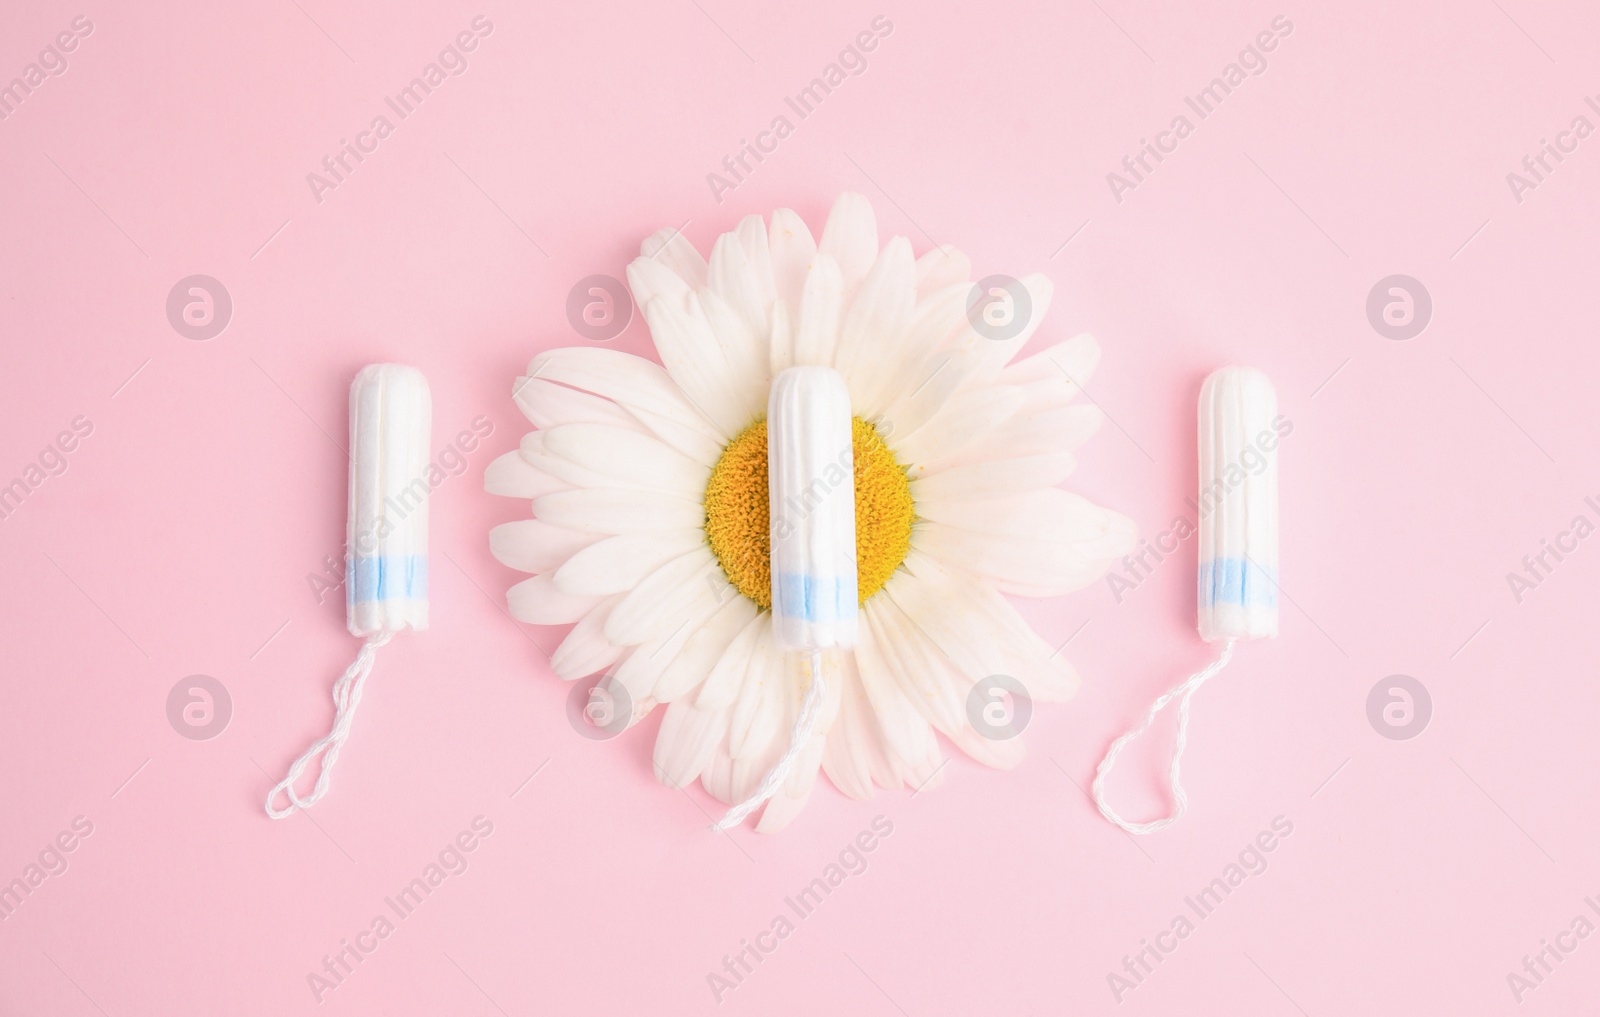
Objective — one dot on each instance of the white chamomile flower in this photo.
(649, 489)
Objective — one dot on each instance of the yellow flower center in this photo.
(737, 513)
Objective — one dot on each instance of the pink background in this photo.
(180, 538)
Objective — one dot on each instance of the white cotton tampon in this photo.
(1238, 434)
(1238, 505)
(386, 572)
(811, 490)
(386, 575)
(811, 495)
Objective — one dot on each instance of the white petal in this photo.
(965, 419)
(757, 719)
(895, 725)
(921, 672)
(538, 602)
(632, 382)
(1000, 753)
(994, 479)
(928, 773)
(939, 611)
(780, 354)
(636, 459)
(733, 278)
(953, 654)
(792, 250)
(1023, 566)
(548, 404)
(994, 353)
(851, 238)
(746, 348)
(782, 808)
(855, 758)
(1046, 674)
(717, 778)
(665, 599)
(614, 510)
(943, 374)
(642, 669)
(919, 358)
(1026, 657)
(752, 234)
(871, 329)
(618, 564)
(700, 443)
(641, 710)
(942, 266)
(1074, 360)
(532, 545)
(650, 280)
(1048, 677)
(694, 356)
(1059, 430)
(1047, 394)
(817, 319)
(570, 473)
(722, 685)
(706, 646)
(952, 361)
(585, 649)
(960, 366)
(1046, 515)
(672, 249)
(686, 742)
(513, 476)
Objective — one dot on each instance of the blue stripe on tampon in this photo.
(1237, 581)
(815, 598)
(386, 577)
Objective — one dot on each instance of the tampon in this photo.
(1238, 567)
(812, 501)
(812, 495)
(386, 576)
(1238, 505)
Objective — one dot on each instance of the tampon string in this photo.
(386, 541)
(1237, 579)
